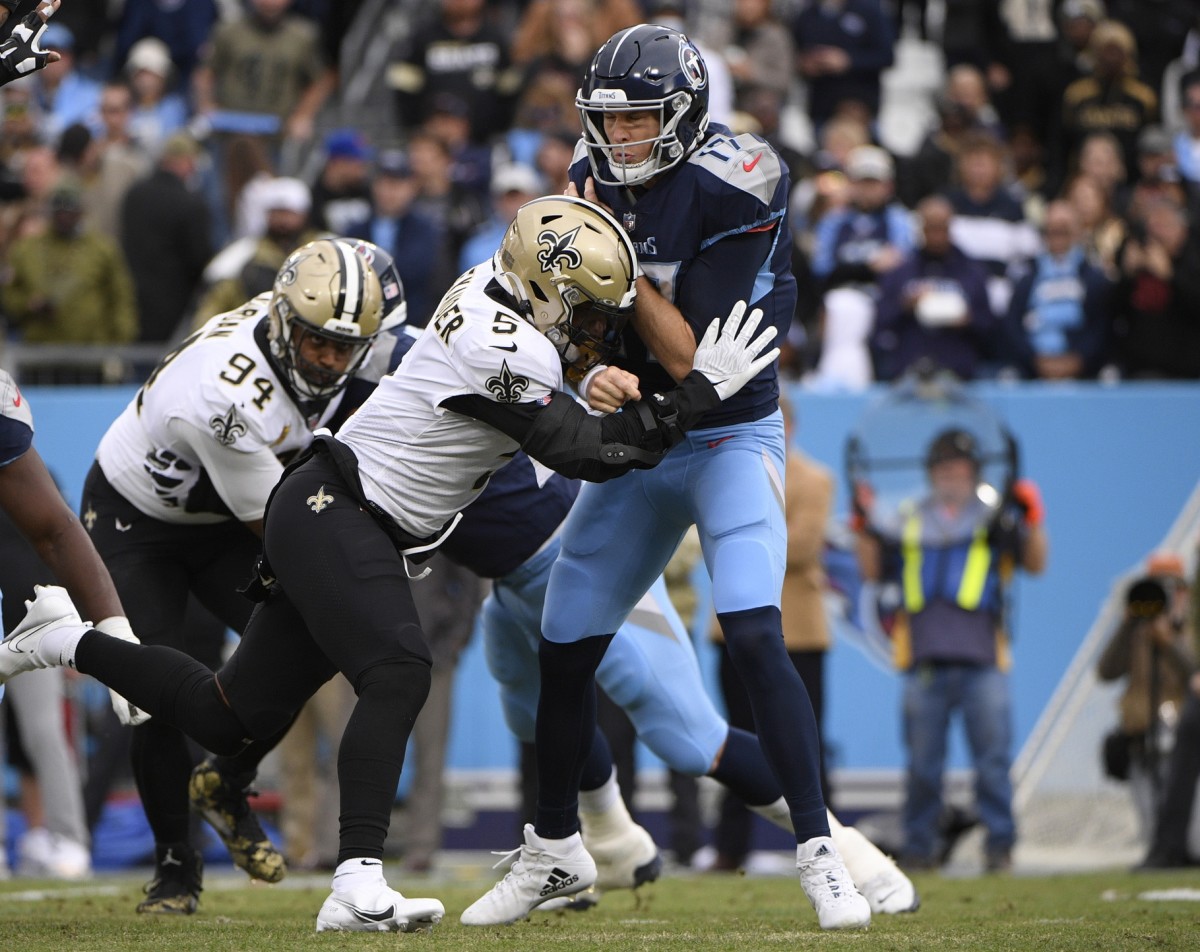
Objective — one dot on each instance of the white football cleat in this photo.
(828, 886)
(887, 888)
(50, 610)
(53, 856)
(891, 892)
(544, 869)
(624, 852)
(377, 908)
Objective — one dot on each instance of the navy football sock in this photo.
(783, 715)
(743, 768)
(599, 764)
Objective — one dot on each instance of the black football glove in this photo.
(22, 52)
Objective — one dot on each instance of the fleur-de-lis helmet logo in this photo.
(559, 251)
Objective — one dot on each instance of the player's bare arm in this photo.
(661, 325)
(29, 496)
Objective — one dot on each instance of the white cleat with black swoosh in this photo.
(377, 908)
(50, 610)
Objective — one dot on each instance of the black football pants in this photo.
(155, 565)
(342, 603)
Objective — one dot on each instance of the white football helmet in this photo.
(574, 271)
(327, 290)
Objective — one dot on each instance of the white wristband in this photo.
(588, 378)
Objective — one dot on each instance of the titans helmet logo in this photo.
(558, 251)
(692, 65)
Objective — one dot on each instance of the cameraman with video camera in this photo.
(954, 558)
(1151, 649)
(1169, 847)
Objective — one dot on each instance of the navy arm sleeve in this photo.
(717, 279)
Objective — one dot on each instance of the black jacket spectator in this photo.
(165, 238)
(843, 48)
(464, 56)
(1157, 326)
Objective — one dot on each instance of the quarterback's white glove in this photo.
(726, 353)
(118, 627)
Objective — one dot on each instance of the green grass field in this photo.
(1096, 911)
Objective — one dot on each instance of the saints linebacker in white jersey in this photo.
(349, 522)
(174, 503)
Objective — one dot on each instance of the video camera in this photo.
(1147, 597)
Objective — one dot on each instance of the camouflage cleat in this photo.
(224, 806)
(175, 889)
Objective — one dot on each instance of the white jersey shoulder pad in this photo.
(494, 351)
(226, 385)
(745, 161)
(521, 366)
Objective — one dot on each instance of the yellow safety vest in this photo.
(968, 595)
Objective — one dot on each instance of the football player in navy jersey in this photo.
(510, 535)
(706, 212)
(348, 521)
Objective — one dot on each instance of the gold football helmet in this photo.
(325, 293)
(574, 270)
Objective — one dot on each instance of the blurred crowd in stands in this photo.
(1042, 228)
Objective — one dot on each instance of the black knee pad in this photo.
(404, 683)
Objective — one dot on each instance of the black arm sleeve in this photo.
(564, 436)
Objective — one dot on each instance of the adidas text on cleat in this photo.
(175, 889)
(542, 870)
(891, 892)
(223, 804)
(624, 853)
(580, 902)
(377, 908)
(50, 610)
(828, 886)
